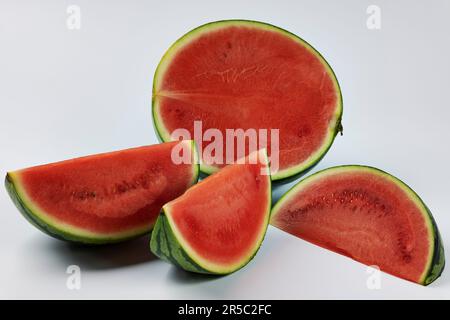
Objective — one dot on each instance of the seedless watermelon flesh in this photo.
(368, 215)
(103, 198)
(217, 226)
(249, 75)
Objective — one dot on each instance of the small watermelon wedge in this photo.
(103, 198)
(218, 225)
(240, 74)
(368, 215)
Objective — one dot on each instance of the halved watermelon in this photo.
(102, 198)
(367, 215)
(239, 74)
(217, 226)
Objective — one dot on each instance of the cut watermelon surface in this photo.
(240, 74)
(218, 225)
(102, 198)
(368, 215)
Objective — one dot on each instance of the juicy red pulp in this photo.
(363, 216)
(109, 192)
(223, 217)
(248, 77)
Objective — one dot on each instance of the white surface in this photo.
(71, 93)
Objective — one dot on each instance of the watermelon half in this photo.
(218, 225)
(239, 74)
(367, 215)
(102, 198)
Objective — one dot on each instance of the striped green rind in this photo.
(169, 245)
(282, 176)
(436, 258)
(59, 230)
(164, 245)
(437, 264)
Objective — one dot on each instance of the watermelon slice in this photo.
(240, 74)
(217, 226)
(367, 215)
(102, 198)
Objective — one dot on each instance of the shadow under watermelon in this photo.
(109, 256)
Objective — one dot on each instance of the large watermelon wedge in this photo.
(239, 74)
(102, 198)
(368, 215)
(217, 226)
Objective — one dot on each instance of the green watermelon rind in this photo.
(282, 175)
(436, 259)
(437, 263)
(166, 245)
(65, 232)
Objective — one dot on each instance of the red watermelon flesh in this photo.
(217, 225)
(242, 74)
(365, 214)
(103, 197)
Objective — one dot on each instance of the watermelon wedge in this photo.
(367, 215)
(102, 198)
(217, 226)
(239, 74)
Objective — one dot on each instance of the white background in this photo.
(70, 93)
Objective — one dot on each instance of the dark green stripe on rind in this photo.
(51, 230)
(438, 260)
(164, 244)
